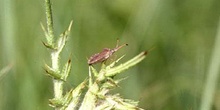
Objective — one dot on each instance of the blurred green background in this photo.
(172, 77)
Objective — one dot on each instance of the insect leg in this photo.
(90, 77)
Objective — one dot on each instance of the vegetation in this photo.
(181, 73)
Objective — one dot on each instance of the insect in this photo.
(104, 55)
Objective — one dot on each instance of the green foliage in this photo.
(173, 77)
(97, 96)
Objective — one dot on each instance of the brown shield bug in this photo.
(104, 55)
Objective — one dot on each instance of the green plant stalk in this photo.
(50, 38)
(58, 84)
(213, 75)
(8, 32)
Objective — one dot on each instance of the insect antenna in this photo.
(117, 48)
